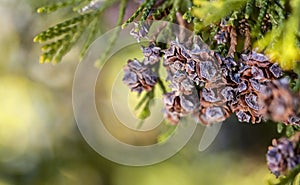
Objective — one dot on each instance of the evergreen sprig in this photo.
(212, 12)
(59, 39)
(136, 13)
(288, 130)
(292, 178)
(175, 8)
(204, 15)
(92, 30)
(263, 8)
(57, 5)
(280, 40)
(162, 8)
(115, 34)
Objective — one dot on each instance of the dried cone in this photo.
(244, 26)
(178, 106)
(216, 94)
(175, 61)
(151, 54)
(213, 107)
(175, 58)
(183, 99)
(207, 66)
(199, 65)
(279, 103)
(187, 68)
(255, 71)
(138, 77)
(283, 155)
(181, 84)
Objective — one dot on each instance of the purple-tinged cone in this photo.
(283, 155)
(151, 54)
(178, 105)
(140, 31)
(138, 77)
(181, 84)
(255, 71)
(280, 103)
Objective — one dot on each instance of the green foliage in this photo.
(213, 12)
(175, 8)
(59, 39)
(280, 44)
(188, 14)
(263, 8)
(162, 8)
(115, 34)
(92, 30)
(280, 127)
(148, 6)
(161, 85)
(280, 41)
(136, 13)
(144, 104)
(249, 8)
(293, 178)
(295, 85)
(55, 6)
(288, 130)
(167, 132)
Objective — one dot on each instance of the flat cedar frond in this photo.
(292, 178)
(93, 30)
(114, 36)
(212, 12)
(59, 39)
(136, 13)
(281, 43)
(55, 6)
(62, 37)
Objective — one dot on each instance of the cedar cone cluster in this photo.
(211, 87)
(183, 99)
(255, 71)
(225, 86)
(283, 155)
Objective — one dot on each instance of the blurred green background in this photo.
(40, 143)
